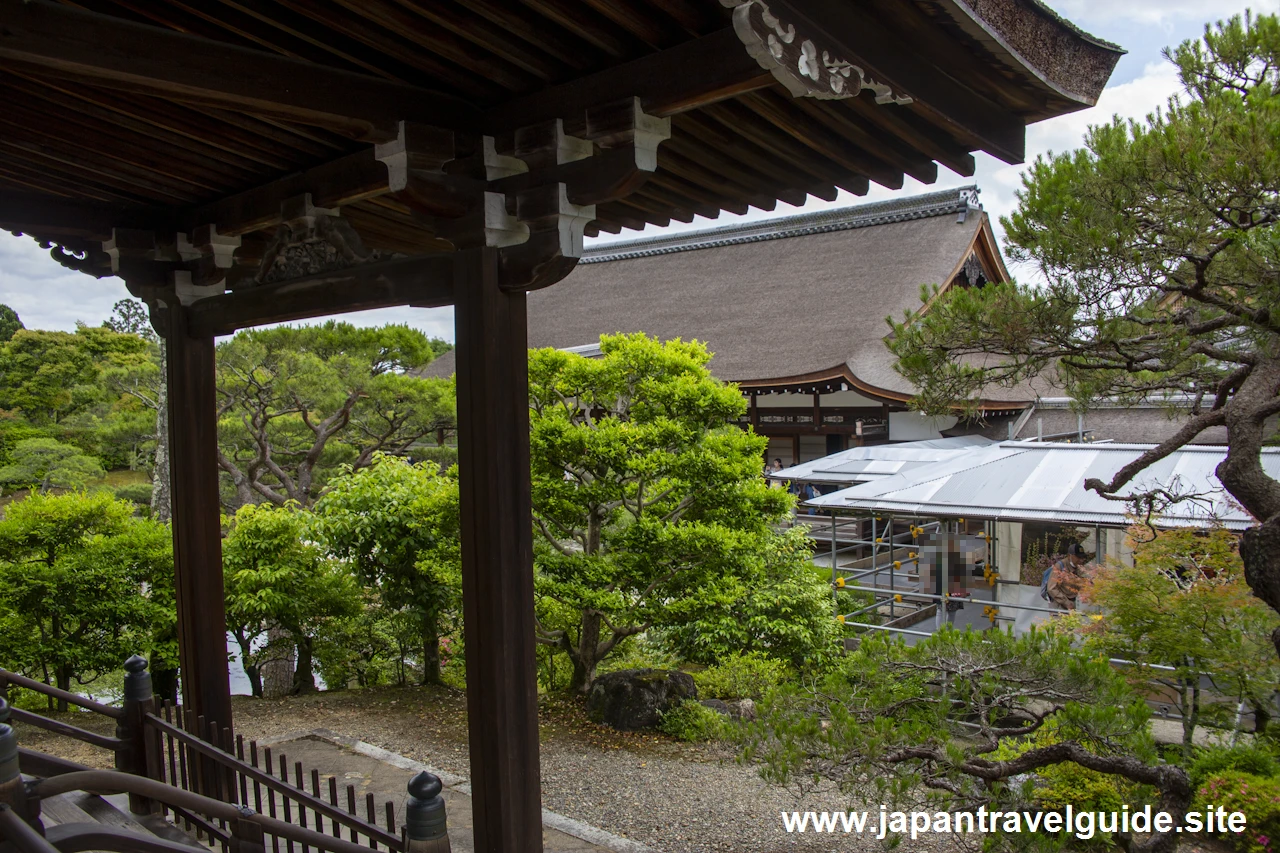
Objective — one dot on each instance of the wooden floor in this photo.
(80, 807)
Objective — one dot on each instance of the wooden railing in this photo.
(223, 789)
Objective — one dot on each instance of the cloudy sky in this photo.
(47, 296)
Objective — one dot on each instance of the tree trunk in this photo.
(585, 657)
(63, 674)
(277, 673)
(304, 679)
(252, 671)
(1260, 553)
(164, 684)
(1261, 717)
(161, 505)
(430, 649)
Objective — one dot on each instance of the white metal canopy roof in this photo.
(864, 464)
(1033, 481)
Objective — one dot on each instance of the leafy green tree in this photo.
(957, 722)
(9, 323)
(72, 574)
(49, 376)
(299, 402)
(648, 504)
(48, 463)
(275, 578)
(1160, 252)
(1184, 604)
(131, 317)
(397, 525)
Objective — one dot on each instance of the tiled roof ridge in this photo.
(939, 203)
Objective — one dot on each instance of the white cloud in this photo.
(1151, 12)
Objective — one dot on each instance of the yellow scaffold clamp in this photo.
(897, 564)
(898, 597)
(991, 613)
(840, 618)
(839, 583)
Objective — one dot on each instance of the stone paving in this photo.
(386, 775)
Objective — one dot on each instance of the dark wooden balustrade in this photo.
(226, 791)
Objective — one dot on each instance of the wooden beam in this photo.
(197, 534)
(697, 72)
(49, 215)
(889, 58)
(115, 53)
(425, 282)
(497, 557)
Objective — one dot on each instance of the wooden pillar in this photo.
(197, 534)
(497, 557)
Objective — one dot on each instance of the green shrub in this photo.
(1216, 760)
(1257, 797)
(692, 721)
(139, 493)
(743, 676)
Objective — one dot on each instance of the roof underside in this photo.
(1029, 481)
(147, 154)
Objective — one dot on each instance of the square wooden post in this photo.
(197, 533)
(497, 557)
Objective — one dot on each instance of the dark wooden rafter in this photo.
(61, 40)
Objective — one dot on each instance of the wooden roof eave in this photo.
(844, 373)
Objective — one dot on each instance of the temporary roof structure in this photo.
(245, 163)
(1033, 481)
(879, 461)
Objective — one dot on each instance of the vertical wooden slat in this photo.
(301, 785)
(333, 800)
(271, 797)
(244, 781)
(372, 812)
(284, 799)
(315, 792)
(497, 555)
(351, 808)
(257, 786)
(391, 817)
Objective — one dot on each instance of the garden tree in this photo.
(275, 578)
(1184, 604)
(1159, 247)
(49, 376)
(298, 402)
(648, 504)
(956, 722)
(397, 525)
(140, 415)
(371, 648)
(72, 570)
(45, 463)
(131, 317)
(9, 323)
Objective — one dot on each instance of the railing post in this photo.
(426, 828)
(246, 833)
(12, 792)
(131, 756)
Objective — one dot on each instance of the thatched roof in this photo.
(803, 297)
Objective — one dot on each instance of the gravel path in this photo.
(674, 797)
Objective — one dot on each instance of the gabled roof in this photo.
(794, 298)
(1032, 481)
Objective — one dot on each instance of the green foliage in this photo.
(741, 676)
(944, 724)
(649, 508)
(130, 317)
(9, 323)
(692, 721)
(50, 376)
(72, 573)
(46, 463)
(397, 525)
(138, 493)
(276, 578)
(1242, 758)
(1257, 797)
(301, 402)
(1185, 604)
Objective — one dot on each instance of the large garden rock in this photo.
(637, 698)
